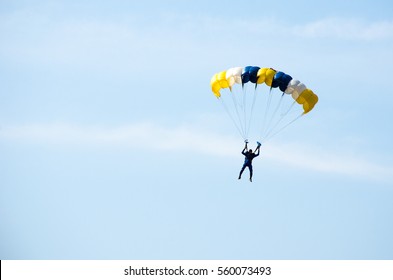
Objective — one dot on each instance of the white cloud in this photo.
(142, 135)
(39, 38)
(329, 28)
(313, 158)
(341, 28)
(181, 138)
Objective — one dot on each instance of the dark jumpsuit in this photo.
(248, 161)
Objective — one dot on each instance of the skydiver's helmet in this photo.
(250, 151)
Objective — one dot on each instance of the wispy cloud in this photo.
(314, 158)
(342, 28)
(38, 37)
(137, 135)
(188, 138)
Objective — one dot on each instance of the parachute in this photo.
(258, 109)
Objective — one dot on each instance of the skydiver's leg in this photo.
(241, 171)
(250, 167)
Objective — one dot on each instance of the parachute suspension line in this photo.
(282, 128)
(267, 109)
(269, 129)
(233, 120)
(245, 109)
(237, 105)
(252, 109)
(281, 118)
(290, 108)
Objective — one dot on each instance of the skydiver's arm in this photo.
(257, 150)
(245, 149)
(243, 152)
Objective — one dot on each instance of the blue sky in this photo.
(112, 145)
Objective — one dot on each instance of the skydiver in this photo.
(249, 156)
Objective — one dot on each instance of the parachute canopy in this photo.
(234, 81)
(272, 78)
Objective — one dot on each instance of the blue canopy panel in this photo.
(250, 74)
(281, 80)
